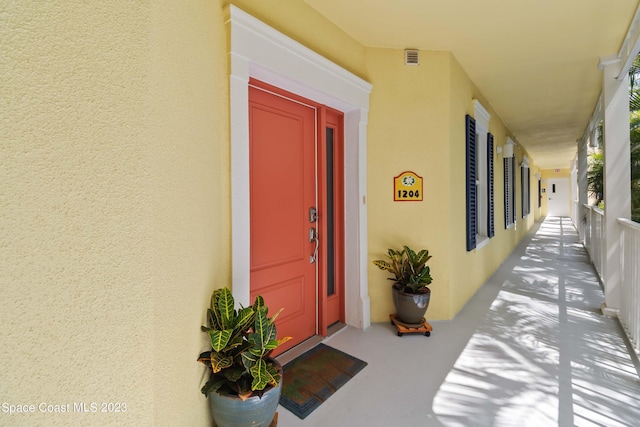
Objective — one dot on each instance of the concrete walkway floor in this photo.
(529, 349)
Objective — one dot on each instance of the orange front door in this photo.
(282, 136)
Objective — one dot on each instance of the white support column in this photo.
(617, 174)
(583, 197)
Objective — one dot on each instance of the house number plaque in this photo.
(407, 187)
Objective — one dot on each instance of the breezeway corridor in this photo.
(529, 349)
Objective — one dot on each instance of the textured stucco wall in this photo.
(416, 122)
(407, 132)
(114, 219)
(75, 270)
(191, 195)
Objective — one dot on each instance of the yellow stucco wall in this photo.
(188, 143)
(407, 131)
(416, 122)
(115, 218)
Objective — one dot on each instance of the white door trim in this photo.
(261, 52)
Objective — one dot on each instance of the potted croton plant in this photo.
(245, 383)
(411, 278)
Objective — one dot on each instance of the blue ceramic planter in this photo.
(231, 411)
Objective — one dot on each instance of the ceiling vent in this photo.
(411, 57)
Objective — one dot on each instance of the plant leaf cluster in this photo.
(409, 268)
(241, 342)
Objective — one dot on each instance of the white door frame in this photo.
(261, 52)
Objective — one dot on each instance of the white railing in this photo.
(586, 239)
(629, 240)
(630, 279)
(594, 237)
(576, 218)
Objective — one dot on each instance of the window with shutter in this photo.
(471, 181)
(509, 185)
(513, 187)
(528, 190)
(507, 192)
(479, 180)
(525, 178)
(522, 187)
(491, 224)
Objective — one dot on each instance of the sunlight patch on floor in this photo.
(509, 362)
(543, 355)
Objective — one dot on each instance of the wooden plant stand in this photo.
(406, 328)
(274, 423)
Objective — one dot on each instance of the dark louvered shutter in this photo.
(528, 191)
(491, 224)
(507, 192)
(471, 182)
(513, 187)
(523, 196)
(539, 194)
(522, 190)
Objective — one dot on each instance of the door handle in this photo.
(313, 237)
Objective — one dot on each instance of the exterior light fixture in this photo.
(507, 149)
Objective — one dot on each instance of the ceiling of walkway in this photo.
(535, 61)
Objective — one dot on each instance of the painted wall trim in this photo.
(261, 52)
(481, 115)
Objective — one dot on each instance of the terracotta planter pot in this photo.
(411, 308)
(231, 411)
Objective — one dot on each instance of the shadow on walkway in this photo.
(530, 348)
(543, 355)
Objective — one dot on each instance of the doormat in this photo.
(314, 376)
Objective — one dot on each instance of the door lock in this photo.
(313, 214)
